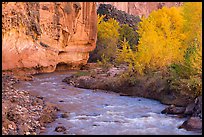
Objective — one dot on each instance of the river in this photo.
(92, 112)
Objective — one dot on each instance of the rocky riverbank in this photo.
(22, 112)
(153, 87)
(193, 111)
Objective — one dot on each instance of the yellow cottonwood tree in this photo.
(161, 36)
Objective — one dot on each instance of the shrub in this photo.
(191, 86)
(104, 63)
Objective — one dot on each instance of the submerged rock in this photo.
(60, 129)
(64, 115)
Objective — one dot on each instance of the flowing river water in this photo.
(92, 112)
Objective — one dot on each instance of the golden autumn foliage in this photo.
(192, 12)
(170, 38)
(192, 64)
(161, 36)
(187, 75)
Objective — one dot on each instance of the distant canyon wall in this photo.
(140, 8)
(41, 36)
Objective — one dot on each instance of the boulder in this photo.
(198, 107)
(192, 124)
(189, 109)
(173, 110)
(195, 108)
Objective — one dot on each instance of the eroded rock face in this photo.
(140, 8)
(41, 36)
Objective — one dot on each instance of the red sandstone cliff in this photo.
(41, 35)
(140, 8)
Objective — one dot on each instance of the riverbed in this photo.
(97, 112)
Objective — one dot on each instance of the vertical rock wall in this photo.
(41, 36)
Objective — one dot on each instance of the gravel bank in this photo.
(23, 113)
